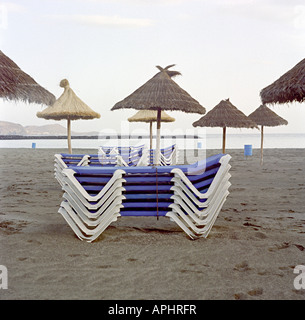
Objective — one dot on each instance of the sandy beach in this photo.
(251, 252)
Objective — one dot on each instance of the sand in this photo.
(251, 252)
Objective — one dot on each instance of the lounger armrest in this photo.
(84, 159)
(69, 173)
(203, 164)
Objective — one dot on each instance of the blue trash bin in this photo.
(33, 145)
(248, 150)
(199, 145)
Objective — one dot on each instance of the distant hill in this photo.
(10, 128)
(46, 130)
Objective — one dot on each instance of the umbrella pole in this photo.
(150, 127)
(224, 140)
(262, 142)
(157, 156)
(69, 135)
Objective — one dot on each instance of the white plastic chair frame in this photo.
(76, 186)
(97, 232)
(88, 215)
(87, 226)
(182, 190)
(182, 181)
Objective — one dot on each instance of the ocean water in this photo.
(208, 141)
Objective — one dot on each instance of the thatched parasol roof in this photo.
(18, 85)
(288, 88)
(225, 114)
(68, 106)
(263, 116)
(266, 117)
(161, 92)
(150, 116)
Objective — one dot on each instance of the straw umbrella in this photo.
(68, 106)
(18, 85)
(224, 115)
(159, 93)
(263, 116)
(150, 116)
(288, 88)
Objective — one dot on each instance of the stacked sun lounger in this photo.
(126, 156)
(108, 156)
(168, 156)
(191, 195)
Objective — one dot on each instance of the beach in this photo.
(251, 252)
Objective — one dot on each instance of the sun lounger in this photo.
(168, 156)
(127, 156)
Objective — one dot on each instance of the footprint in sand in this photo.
(281, 246)
(261, 235)
(240, 296)
(256, 292)
(243, 266)
(22, 259)
(132, 259)
(34, 242)
(252, 293)
(299, 246)
(247, 224)
(74, 255)
(105, 266)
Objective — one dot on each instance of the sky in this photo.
(108, 48)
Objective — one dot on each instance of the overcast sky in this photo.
(109, 48)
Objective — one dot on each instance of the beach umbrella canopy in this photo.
(159, 93)
(263, 116)
(18, 85)
(224, 115)
(68, 106)
(288, 88)
(150, 116)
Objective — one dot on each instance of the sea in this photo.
(207, 141)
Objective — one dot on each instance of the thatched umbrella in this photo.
(68, 106)
(288, 88)
(150, 116)
(159, 93)
(18, 85)
(224, 115)
(263, 116)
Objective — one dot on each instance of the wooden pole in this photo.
(224, 140)
(262, 144)
(69, 135)
(157, 157)
(150, 127)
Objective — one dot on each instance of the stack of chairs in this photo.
(200, 194)
(107, 156)
(126, 156)
(191, 195)
(89, 206)
(168, 156)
